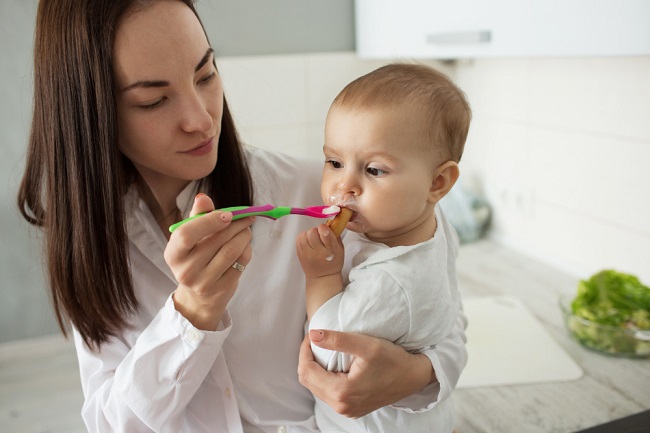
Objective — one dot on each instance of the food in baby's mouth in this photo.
(338, 223)
(332, 210)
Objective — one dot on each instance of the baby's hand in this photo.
(320, 252)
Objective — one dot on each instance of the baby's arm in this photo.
(321, 256)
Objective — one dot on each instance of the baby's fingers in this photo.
(329, 240)
(309, 246)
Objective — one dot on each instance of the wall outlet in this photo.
(525, 202)
(514, 199)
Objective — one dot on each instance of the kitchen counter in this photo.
(609, 388)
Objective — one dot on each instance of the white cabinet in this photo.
(501, 28)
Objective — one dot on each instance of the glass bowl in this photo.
(605, 339)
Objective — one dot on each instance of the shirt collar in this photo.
(365, 252)
(185, 199)
(142, 229)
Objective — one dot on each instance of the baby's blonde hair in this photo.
(401, 84)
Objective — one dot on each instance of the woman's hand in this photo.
(201, 254)
(381, 374)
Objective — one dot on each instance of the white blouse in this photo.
(162, 374)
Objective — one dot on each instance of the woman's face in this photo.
(169, 95)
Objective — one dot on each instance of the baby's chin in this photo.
(357, 225)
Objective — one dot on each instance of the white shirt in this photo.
(404, 294)
(162, 374)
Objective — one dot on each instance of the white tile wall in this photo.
(280, 102)
(562, 149)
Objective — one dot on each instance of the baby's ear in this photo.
(444, 177)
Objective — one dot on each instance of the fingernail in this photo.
(316, 335)
(198, 195)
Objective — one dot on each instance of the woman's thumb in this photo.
(202, 204)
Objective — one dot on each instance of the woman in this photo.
(199, 331)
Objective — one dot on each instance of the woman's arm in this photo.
(448, 358)
(146, 378)
(147, 387)
(383, 373)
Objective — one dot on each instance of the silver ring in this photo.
(239, 266)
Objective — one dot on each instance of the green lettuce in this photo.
(616, 300)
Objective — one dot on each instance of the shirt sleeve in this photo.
(448, 359)
(147, 387)
(373, 305)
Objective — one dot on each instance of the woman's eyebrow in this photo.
(162, 83)
(204, 60)
(146, 84)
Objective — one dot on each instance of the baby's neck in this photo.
(419, 232)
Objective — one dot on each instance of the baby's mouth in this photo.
(340, 201)
(354, 212)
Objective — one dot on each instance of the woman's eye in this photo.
(153, 105)
(374, 171)
(334, 164)
(208, 78)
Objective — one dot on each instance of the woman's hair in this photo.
(445, 106)
(75, 176)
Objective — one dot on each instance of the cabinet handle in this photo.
(477, 37)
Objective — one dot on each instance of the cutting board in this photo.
(507, 345)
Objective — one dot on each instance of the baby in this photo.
(393, 140)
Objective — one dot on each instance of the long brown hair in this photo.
(75, 177)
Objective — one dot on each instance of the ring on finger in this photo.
(239, 266)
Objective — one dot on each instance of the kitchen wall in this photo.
(259, 27)
(561, 147)
(24, 303)
(280, 102)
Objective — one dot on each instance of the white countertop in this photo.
(609, 387)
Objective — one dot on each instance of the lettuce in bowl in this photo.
(611, 314)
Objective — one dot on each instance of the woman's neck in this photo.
(161, 201)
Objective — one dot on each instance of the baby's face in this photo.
(376, 164)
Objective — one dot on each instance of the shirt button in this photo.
(193, 335)
(282, 429)
(228, 392)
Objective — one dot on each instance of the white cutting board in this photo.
(508, 346)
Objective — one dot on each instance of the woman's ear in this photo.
(444, 177)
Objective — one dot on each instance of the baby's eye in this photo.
(376, 172)
(333, 164)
